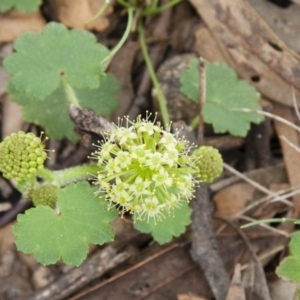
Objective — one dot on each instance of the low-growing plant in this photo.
(140, 168)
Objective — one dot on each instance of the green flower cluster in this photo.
(208, 163)
(21, 156)
(145, 169)
(45, 195)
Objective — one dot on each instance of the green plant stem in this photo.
(156, 10)
(64, 177)
(123, 3)
(79, 173)
(46, 174)
(160, 96)
(194, 122)
(70, 93)
(130, 12)
(274, 220)
(99, 12)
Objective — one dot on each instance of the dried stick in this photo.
(204, 245)
(75, 279)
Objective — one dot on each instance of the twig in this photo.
(296, 1)
(247, 179)
(272, 116)
(295, 100)
(260, 285)
(281, 232)
(292, 145)
(204, 245)
(75, 279)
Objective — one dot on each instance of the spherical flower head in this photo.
(21, 156)
(45, 195)
(145, 169)
(208, 163)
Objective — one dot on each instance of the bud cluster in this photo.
(145, 170)
(208, 163)
(45, 195)
(21, 156)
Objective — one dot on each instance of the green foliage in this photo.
(289, 268)
(20, 5)
(189, 80)
(42, 61)
(83, 218)
(53, 112)
(224, 94)
(55, 68)
(173, 224)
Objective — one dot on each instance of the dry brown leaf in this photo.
(236, 290)
(233, 199)
(12, 120)
(251, 48)
(75, 13)
(290, 155)
(13, 24)
(205, 45)
(14, 275)
(284, 22)
(282, 289)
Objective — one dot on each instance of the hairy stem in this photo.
(160, 96)
(64, 177)
(71, 95)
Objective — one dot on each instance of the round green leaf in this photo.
(42, 61)
(172, 225)
(20, 5)
(83, 218)
(225, 94)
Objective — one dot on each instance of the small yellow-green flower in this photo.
(146, 169)
(22, 155)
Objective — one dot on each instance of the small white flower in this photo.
(123, 159)
(139, 153)
(120, 185)
(112, 168)
(125, 134)
(154, 161)
(162, 178)
(168, 140)
(140, 187)
(171, 157)
(106, 149)
(148, 127)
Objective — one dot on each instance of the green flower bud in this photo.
(208, 163)
(27, 192)
(45, 195)
(21, 155)
(146, 170)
